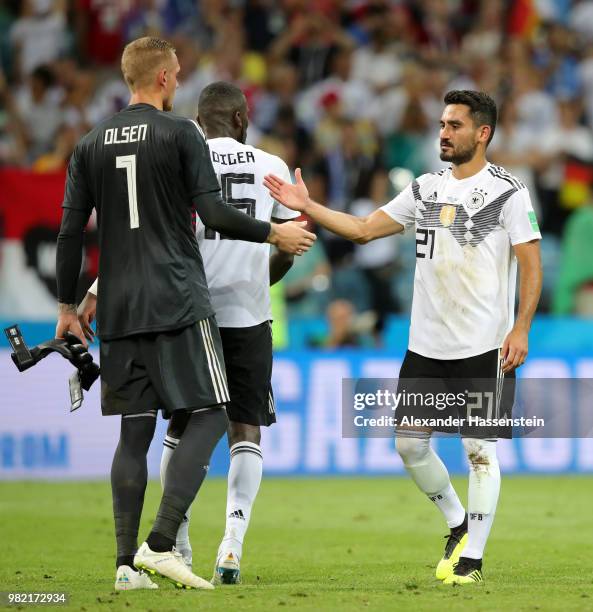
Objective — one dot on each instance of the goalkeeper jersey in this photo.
(144, 170)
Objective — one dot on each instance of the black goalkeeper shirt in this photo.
(141, 169)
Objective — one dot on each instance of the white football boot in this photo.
(170, 565)
(227, 570)
(129, 579)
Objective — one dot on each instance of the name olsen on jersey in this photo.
(129, 133)
(228, 159)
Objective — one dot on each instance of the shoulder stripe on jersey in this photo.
(497, 172)
(199, 128)
(504, 178)
(416, 190)
(513, 179)
(501, 173)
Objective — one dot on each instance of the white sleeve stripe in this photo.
(199, 129)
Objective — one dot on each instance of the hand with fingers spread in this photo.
(292, 196)
(291, 237)
(514, 349)
(86, 315)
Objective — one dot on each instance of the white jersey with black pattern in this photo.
(465, 279)
(237, 272)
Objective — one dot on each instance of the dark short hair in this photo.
(218, 101)
(482, 108)
(44, 74)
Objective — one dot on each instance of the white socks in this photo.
(244, 478)
(484, 487)
(182, 544)
(245, 475)
(430, 475)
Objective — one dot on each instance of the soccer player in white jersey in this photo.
(239, 275)
(239, 279)
(473, 223)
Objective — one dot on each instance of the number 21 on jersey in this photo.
(425, 243)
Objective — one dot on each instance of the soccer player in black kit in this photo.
(147, 173)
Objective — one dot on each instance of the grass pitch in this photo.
(340, 544)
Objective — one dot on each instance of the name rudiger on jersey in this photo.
(228, 159)
(129, 133)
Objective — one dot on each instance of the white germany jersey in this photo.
(238, 272)
(464, 285)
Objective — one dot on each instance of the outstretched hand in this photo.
(295, 196)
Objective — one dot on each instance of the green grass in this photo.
(340, 544)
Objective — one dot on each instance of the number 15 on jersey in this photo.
(247, 205)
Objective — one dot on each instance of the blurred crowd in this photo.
(349, 90)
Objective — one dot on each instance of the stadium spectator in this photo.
(192, 76)
(436, 32)
(100, 30)
(308, 43)
(377, 260)
(354, 95)
(378, 64)
(574, 289)
(13, 145)
(38, 36)
(558, 59)
(517, 148)
(485, 37)
(345, 329)
(6, 21)
(307, 283)
(57, 158)
(279, 91)
(581, 18)
(38, 104)
(347, 161)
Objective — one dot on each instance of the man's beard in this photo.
(460, 156)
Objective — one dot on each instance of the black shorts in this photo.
(248, 358)
(174, 370)
(488, 393)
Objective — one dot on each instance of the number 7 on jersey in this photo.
(128, 163)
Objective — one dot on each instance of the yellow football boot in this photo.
(467, 571)
(453, 548)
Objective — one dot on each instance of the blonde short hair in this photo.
(143, 58)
